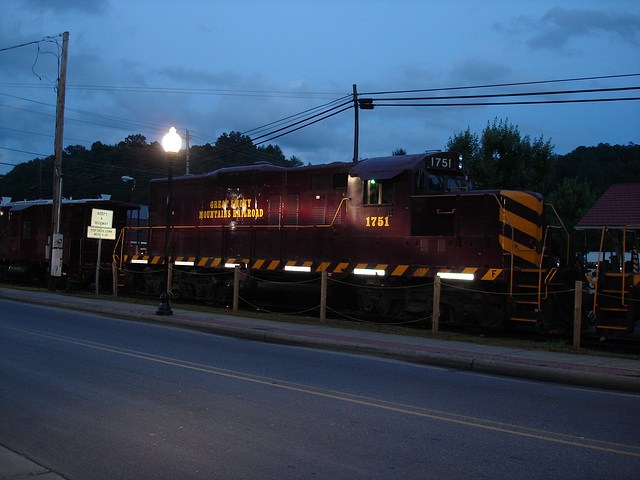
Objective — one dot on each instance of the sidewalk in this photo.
(14, 466)
(576, 369)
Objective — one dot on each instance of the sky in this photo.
(213, 67)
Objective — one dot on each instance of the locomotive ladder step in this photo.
(519, 319)
(610, 327)
(526, 302)
(606, 309)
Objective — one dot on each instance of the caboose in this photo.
(25, 230)
(383, 229)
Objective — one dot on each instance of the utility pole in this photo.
(187, 137)
(356, 128)
(56, 237)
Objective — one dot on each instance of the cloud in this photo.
(559, 26)
(479, 71)
(90, 7)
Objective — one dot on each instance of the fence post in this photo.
(114, 275)
(577, 315)
(435, 319)
(323, 297)
(236, 287)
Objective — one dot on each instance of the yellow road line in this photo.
(511, 429)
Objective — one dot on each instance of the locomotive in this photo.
(25, 232)
(382, 228)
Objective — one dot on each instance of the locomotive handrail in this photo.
(563, 228)
(624, 251)
(550, 275)
(120, 242)
(547, 279)
(440, 212)
(512, 243)
(597, 284)
(623, 269)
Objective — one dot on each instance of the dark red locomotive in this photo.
(382, 228)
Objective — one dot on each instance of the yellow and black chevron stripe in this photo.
(334, 268)
(522, 219)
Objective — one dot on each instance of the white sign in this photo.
(105, 233)
(101, 218)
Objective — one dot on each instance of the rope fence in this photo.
(436, 284)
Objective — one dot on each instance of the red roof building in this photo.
(618, 207)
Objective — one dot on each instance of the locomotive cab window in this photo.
(378, 192)
(436, 183)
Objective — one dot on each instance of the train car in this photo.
(383, 229)
(25, 233)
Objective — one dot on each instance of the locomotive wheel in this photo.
(369, 301)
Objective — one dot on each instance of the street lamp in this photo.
(171, 143)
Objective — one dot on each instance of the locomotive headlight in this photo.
(369, 271)
(460, 162)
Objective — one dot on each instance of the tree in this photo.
(502, 158)
(572, 200)
(602, 165)
(137, 140)
(235, 149)
(399, 151)
(295, 161)
(466, 143)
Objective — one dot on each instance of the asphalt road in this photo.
(93, 397)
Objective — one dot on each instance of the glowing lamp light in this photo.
(171, 142)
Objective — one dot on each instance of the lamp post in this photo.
(127, 178)
(171, 143)
(129, 237)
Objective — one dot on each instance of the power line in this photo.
(533, 102)
(23, 151)
(45, 39)
(285, 130)
(183, 90)
(537, 82)
(525, 94)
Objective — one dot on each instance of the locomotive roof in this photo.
(24, 204)
(380, 168)
(618, 207)
(384, 168)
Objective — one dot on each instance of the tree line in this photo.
(87, 173)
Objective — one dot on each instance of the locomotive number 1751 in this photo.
(377, 221)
